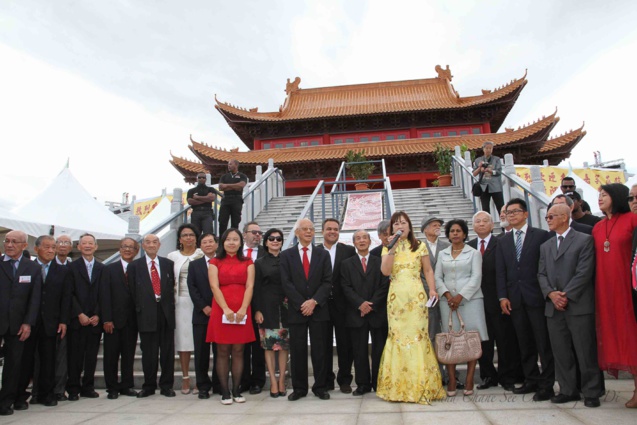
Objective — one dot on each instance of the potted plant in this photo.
(443, 156)
(359, 171)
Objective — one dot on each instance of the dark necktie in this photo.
(45, 271)
(364, 262)
(154, 277)
(14, 266)
(306, 263)
(482, 247)
(518, 244)
(560, 239)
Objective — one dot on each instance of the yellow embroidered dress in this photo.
(408, 369)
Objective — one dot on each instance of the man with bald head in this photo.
(306, 277)
(566, 276)
(63, 247)
(151, 280)
(20, 289)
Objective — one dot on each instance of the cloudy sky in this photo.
(117, 85)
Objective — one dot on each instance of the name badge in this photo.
(25, 279)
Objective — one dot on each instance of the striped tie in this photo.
(518, 244)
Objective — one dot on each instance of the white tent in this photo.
(66, 205)
(10, 221)
(631, 181)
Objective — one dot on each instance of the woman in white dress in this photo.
(187, 251)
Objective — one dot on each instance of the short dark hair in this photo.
(42, 238)
(518, 201)
(269, 233)
(221, 250)
(191, 227)
(87, 234)
(248, 224)
(463, 225)
(585, 206)
(327, 220)
(205, 235)
(619, 197)
(569, 179)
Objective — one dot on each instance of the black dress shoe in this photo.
(34, 400)
(61, 397)
(346, 389)
(295, 396)
(74, 397)
(544, 395)
(129, 392)
(323, 395)
(591, 401)
(488, 383)
(20, 405)
(50, 403)
(203, 394)
(361, 391)
(112, 396)
(167, 392)
(563, 398)
(6, 411)
(507, 387)
(525, 389)
(255, 389)
(89, 394)
(145, 393)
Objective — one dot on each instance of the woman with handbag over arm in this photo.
(408, 369)
(458, 279)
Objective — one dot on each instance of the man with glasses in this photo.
(253, 378)
(200, 198)
(20, 290)
(120, 322)
(565, 273)
(63, 247)
(517, 258)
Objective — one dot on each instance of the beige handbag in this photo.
(458, 347)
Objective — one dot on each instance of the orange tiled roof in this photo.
(186, 165)
(563, 140)
(372, 149)
(375, 98)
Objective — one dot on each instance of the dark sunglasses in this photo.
(255, 232)
(631, 198)
(275, 238)
(552, 216)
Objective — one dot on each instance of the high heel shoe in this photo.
(184, 380)
(284, 392)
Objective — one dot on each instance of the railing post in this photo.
(536, 209)
(133, 227)
(175, 206)
(509, 169)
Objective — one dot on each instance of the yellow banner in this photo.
(143, 208)
(552, 176)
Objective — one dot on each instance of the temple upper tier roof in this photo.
(376, 98)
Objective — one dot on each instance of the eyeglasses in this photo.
(255, 232)
(275, 238)
(631, 198)
(552, 216)
(127, 247)
(63, 243)
(568, 186)
(513, 212)
(13, 241)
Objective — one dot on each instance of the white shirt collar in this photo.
(523, 228)
(568, 229)
(486, 241)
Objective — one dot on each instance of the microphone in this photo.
(393, 242)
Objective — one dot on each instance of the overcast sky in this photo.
(117, 85)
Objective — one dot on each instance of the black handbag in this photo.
(476, 189)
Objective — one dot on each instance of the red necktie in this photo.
(249, 255)
(154, 277)
(364, 261)
(482, 247)
(634, 270)
(306, 263)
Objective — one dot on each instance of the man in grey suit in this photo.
(431, 226)
(489, 167)
(565, 273)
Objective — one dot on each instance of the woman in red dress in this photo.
(232, 282)
(616, 324)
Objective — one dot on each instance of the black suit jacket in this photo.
(141, 288)
(377, 252)
(84, 292)
(199, 289)
(343, 252)
(517, 281)
(56, 298)
(489, 289)
(359, 286)
(582, 228)
(299, 289)
(115, 297)
(19, 301)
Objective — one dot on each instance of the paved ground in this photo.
(491, 406)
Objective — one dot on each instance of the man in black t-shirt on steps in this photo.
(232, 185)
(200, 198)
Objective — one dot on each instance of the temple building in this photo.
(399, 121)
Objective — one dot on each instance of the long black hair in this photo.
(221, 250)
(619, 197)
(414, 243)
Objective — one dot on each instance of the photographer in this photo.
(490, 168)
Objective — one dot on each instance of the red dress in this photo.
(233, 275)
(615, 318)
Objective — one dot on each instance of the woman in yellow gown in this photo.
(409, 369)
